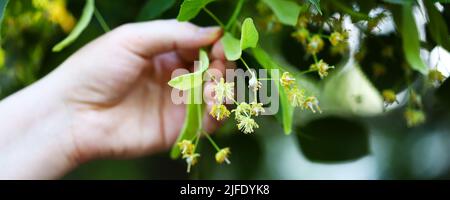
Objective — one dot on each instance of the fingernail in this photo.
(209, 31)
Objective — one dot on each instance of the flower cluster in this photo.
(57, 13)
(389, 97)
(244, 112)
(297, 96)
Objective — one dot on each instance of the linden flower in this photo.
(286, 79)
(242, 110)
(224, 91)
(247, 125)
(436, 77)
(296, 97)
(219, 111)
(315, 45)
(222, 156)
(311, 103)
(186, 147)
(301, 35)
(253, 83)
(257, 108)
(337, 38)
(322, 68)
(389, 97)
(414, 117)
(191, 160)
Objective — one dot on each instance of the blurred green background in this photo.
(353, 139)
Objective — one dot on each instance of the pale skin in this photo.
(108, 100)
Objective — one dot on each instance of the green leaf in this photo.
(155, 8)
(287, 111)
(286, 11)
(401, 2)
(231, 47)
(411, 41)
(3, 4)
(191, 80)
(437, 26)
(249, 39)
(193, 120)
(86, 16)
(190, 8)
(316, 4)
(333, 139)
(249, 35)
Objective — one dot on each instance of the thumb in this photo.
(150, 38)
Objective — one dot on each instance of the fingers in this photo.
(151, 38)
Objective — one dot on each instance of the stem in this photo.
(306, 71)
(211, 140)
(101, 20)
(235, 14)
(214, 17)
(315, 58)
(243, 61)
(196, 140)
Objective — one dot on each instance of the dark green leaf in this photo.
(190, 8)
(287, 110)
(437, 27)
(411, 41)
(155, 8)
(286, 11)
(333, 139)
(83, 22)
(3, 4)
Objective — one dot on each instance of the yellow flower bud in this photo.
(322, 68)
(220, 112)
(222, 156)
(315, 45)
(414, 117)
(301, 35)
(186, 147)
(389, 97)
(286, 79)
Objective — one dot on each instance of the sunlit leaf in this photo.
(86, 16)
(190, 8)
(249, 35)
(287, 111)
(286, 11)
(191, 80)
(155, 8)
(231, 47)
(437, 27)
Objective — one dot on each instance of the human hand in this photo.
(112, 96)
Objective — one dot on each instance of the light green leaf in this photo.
(249, 35)
(287, 111)
(316, 4)
(411, 41)
(155, 8)
(190, 8)
(86, 17)
(192, 123)
(437, 27)
(286, 11)
(231, 47)
(191, 80)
